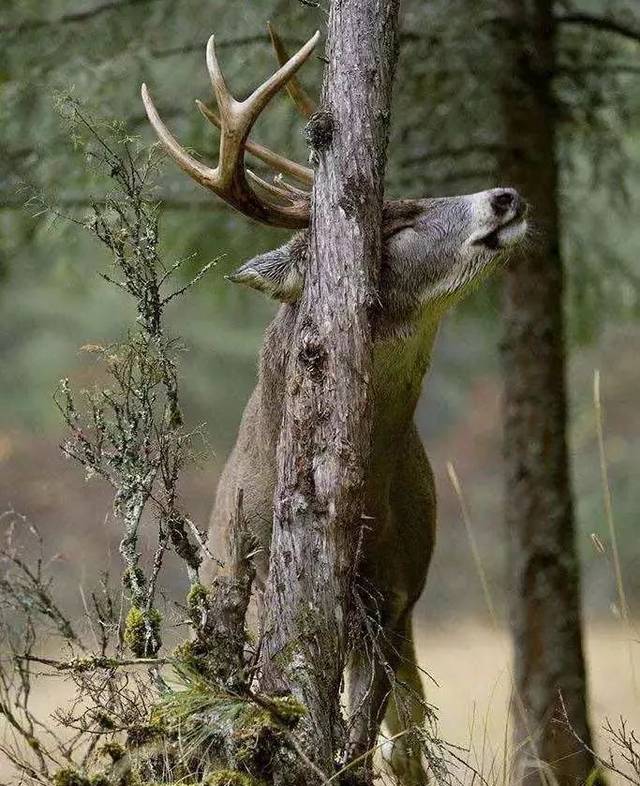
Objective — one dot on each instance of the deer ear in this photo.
(276, 273)
(401, 214)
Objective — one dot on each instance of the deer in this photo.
(435, 251)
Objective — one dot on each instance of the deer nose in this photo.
(506, 199)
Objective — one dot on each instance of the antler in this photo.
(297, 93)
(305, 105)
(229, 179)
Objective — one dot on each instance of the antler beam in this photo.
(274, 160)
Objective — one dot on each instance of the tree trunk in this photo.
(324, 443)
(546, 616)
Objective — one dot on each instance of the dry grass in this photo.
(471, 665)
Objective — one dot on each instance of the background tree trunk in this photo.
(546, 616)
(325, 436)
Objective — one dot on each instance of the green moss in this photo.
(198, 594)
(230, 778)
(287, 708)
(100, 780)
(113, 750)
(596, 778)
(195, 657)
(130, 574)
(138, 625)
(70, 777)
(144, 733)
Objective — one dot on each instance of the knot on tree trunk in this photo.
(319, 131)
(312, 354)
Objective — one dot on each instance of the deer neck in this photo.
(399, 366)
(400, 361)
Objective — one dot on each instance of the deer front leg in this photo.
(406, 709)
(385, 683)
(375, 665)
(369, 684)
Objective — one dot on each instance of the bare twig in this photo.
(619, 736)
(93, 662)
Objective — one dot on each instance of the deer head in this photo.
(435, 249)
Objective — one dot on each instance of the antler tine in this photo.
(274, 160)
(291, 189)
(273, 188)
(262, 94)
(305, 104)
(197, 170)
(224, 98)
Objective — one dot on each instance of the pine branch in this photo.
(78, 16)
(223, 43)
(85, 201)
(602, 23)
(599, 69)
(492, 148)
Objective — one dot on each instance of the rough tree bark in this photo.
(325, 435)
(546, 615)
